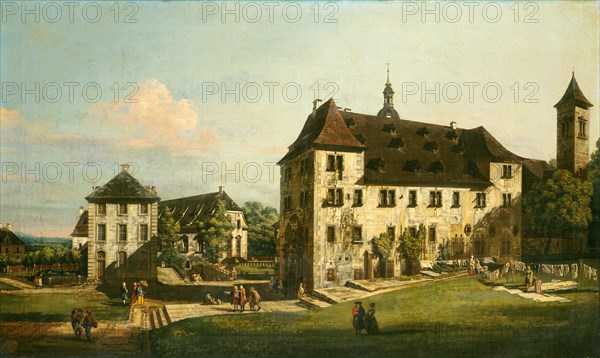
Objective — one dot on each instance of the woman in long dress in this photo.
(370, 320)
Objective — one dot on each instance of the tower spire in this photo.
(388, 99)
(388, 72)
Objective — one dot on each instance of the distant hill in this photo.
(41, 240)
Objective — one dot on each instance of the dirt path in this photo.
(110, 339)
(16, 283)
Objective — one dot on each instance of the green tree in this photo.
(412, 246)
(215, 232)
(382, 246)
(168, 230)
(594, 167)
(168, 235)
(560, 205)
(594, 171)
(262, 236)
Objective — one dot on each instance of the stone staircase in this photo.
(149, 316)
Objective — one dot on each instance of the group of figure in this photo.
(240, 299)
(137, 293)
(274, 285)
(531, 280)
(81, 322)
(37, 281)
(364, 320)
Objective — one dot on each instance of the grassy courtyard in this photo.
(56, 307)
(453, 318)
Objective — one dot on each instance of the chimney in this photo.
(80, 211)
(453, 125)
(347, 109)
(316, 104)
(9, 226)
(125, 167)
(221, 189)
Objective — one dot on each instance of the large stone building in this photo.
(121, 218)
(10, 244)
(349, 177)
(190, 211)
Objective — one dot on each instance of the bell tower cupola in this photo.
(388, 110)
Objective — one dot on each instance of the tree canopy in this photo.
(262, 236)
(215, 232)
(560, 205)
(382, 245)
(412, 246)
(168, 230)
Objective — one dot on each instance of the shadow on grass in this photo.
(33, 317)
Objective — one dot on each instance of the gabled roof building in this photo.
(349, 177)
(190, 211)
(121, 224)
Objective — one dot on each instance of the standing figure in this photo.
(537, 285)
(528, 277)
(276, 285)
(370, 320)
(88, 324)
(124, 293)
(134, 293)
(243, 298)
(471, 266)
(358, 314)
(235, 299)
(271, 284)
(300, 292)
(254, 299)
(76, 318)
(511, 271)
(140, 294)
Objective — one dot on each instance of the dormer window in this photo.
(397, 143)
(350, 123)
(390, 128)
(436, 167)
(461, 148)
(361, 138)
(432, 146)
(424, 132)
(413, 166)
(377, 164)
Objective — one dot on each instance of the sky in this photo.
(198, 95)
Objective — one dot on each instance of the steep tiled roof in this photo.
(573, 94)
(406, 152)
(81, 228)
(190, 211)
(122, 188)
(7, 237)
(325, 130)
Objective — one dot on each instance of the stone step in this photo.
(313, 302)
(323, 296)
